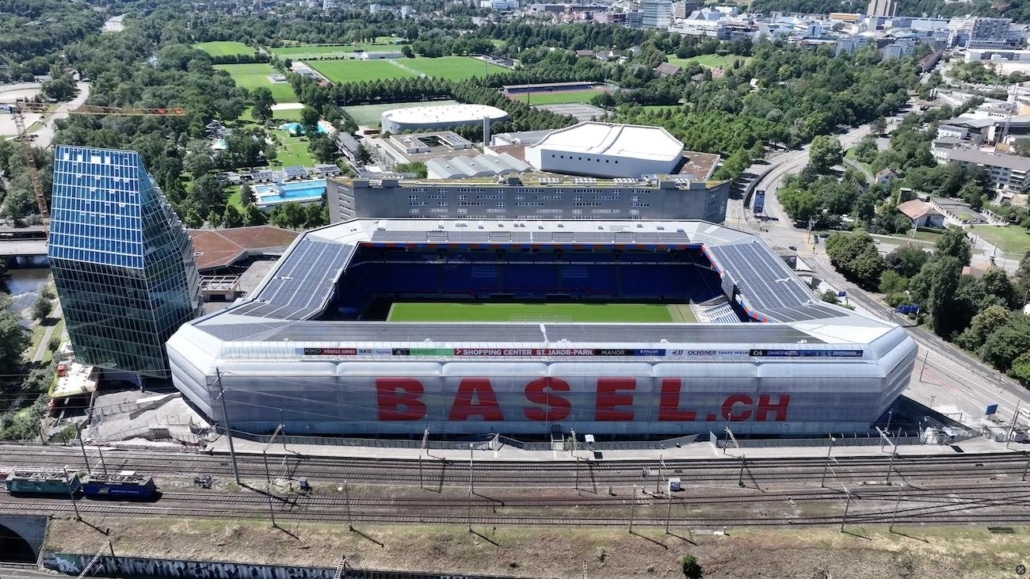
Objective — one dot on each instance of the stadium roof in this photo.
(283, 307)
(608, 139)
(444, 114)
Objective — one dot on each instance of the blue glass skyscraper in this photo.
(123, 264)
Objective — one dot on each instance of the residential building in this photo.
(989, 33)
(1010, 173)
(657, 13)
(922, 214)
(850, 45)
(885, 176)
(898, 50)
(122, 261)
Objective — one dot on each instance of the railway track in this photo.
(447, 473)
(698, 506)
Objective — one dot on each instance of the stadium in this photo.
(440, 117)
(617, 328)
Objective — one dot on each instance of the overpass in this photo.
(22, 248)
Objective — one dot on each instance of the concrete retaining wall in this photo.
(132, 567)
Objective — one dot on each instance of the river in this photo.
(23, 286)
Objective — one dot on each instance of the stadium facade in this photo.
(122, 261)
(528, 197)
(302, 348)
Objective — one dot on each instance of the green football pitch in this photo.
(602, 313)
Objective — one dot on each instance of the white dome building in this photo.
(606, 150)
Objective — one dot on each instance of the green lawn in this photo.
(251, 76)
(292, 151)
(452, 67)
(341, 71)
(558, 98)
(224, 48)
(707, 61)
(455, 312)
(371, 115)
(1013, 240)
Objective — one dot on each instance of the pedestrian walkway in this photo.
(695, 451)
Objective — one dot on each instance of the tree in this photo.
(289, 215)
(322, 148)
(982, 326)
(955, 243)
(208, 194)
(1020, 369)
(907, 260)
(825, 152)
(253, 215)
(878, 126)
(856, 257)
(935, 288)
(198, 162)
(891, 282)
(230, 109)
(418, 168)
(247, 196)
(309, 118)
(363, 156)
(13, 339)
(42, 307)
(996, 287)
(231, 217)
(406, 51)
(691, 568)
(1007, 344)
(800, 204)
(214, 219)
(263, 102)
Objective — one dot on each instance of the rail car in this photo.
(125, 485)
(121, 486)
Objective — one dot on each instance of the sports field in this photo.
(370, 115)
(341, 71)
(708, 60)
(452, 67)
(323, 50)
(224, 48)
(557, 98)
(252, 76)
(447, 67)
(598, 313)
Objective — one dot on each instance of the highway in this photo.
(951, 376)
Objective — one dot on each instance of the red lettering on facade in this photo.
(486, 401)
(539, 391)
(400, 399)
(669, 404)
(737, 415)
(609, 399)
(779, 409)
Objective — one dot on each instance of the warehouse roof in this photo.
(614, 140)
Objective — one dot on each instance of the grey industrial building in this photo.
(528, 197)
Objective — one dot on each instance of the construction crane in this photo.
(18, 110)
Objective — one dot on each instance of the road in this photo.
(45, 134)
(951, 376)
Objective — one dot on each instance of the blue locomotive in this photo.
(125, 485)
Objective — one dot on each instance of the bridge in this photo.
(22, 248)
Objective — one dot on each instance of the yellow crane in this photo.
(25, 139)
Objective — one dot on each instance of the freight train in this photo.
(125, 485)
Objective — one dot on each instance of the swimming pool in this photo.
(299, 191)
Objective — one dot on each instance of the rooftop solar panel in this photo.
(303, 281)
